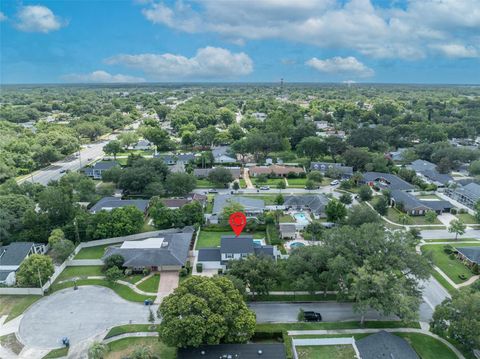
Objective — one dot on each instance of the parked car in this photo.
(265, 188)
(63, 170)
(213, 190)
(312, 316)
(334, 182)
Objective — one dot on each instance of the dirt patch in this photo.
(10, 342)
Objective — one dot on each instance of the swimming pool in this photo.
(301, 218)
(258, 241)
(296, 245)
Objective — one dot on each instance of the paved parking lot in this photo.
(78, 315)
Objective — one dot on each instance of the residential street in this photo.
(445, 234)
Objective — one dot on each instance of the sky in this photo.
(116, 41)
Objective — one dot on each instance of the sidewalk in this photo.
(248, 181)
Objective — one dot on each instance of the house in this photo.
(396, 156)
(221, 154)
(175, 203)
(261, 116)
(467, 195)
(109, 203)
(386, 181)
(275, 170)
(232, 247)
(345, 171)
(166, 251)
(288, 230)
(385, 345)
(313, 203)
(408, 203)
(98, 168)
(234, 351)
(252, 206)
(172, 159)
(143, 145)
(428, 172)
(471, 255)
(12, 256)
(203, 172)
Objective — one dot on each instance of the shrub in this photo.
(128, 272)
(453, 211)
(462, 211)
(220, 271)
(199, 267)
(448, 249)
(146, 271)
(301, 315)
(452, 256)
(183, 272)
(115, 260)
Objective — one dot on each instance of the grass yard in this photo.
(135, 152)
(242, 183)
(326, 351)
(272, 182)
(150, 285)
(428, 196)
(57, 353)
(204, 183)
(296, 182)
(123, 348)
(11, 342)
(92, 252)
(394, 215)
(428, 347)
(80, 271)
(134, 278)
(129, 328)
(208, 239)
(147, 227)
(467, 218)
(14, 305)
(268, 198)
(453, 268)
(287, 219)
(122, 290)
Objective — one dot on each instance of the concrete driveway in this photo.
(168, 282)
(77, 314)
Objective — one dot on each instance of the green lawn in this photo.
(451, 267)
(135, 152)
(326, 352)
(268, 198)
(204, 183)
(147, 227)
(208, 239)
(56, 353)
(134, 278)
(296, 182)
(272, 182)
(129, 328)
(394, 215)
(428, 196)
(122, 290)
(428, 347)
(80, 271)
(150, 285)
(242, 183)
(14, 305)
(467, 218)
(286, 219)
(92, 252)
(123, 347)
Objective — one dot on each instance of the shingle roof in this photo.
(276, 169)
(387, 180)
(409, 201)
(438, 205)
(175, 253)
(472, 253)
(250, 204)
(421, 165)
(324, 166)
(105, 165)
(316, 203)
(203, 172)
(240, 244)
(109, 203)
(233, 351)
(429, 170)
(209, 255)
(14, 253)
(384, 345)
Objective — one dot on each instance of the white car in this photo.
(334, 182)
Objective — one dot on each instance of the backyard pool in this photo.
(258, 241)
(296, 245)
(301, 218)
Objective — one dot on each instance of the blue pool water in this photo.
(301, 218)
(296, 245)
(257, 241)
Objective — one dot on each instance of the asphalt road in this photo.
(444, 234)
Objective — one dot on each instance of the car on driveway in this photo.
(213, 190)
(312, 316)
(334, 182)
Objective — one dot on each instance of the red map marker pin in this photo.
(237, 221)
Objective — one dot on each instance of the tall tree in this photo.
(458, 227)
(113, 147)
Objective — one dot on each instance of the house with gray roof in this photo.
(288, 230)
(471, 255)
(427, 171)
(110, 203)
(252, 206)
(172, 158)
(323, 167)
(385, 345)
(386, 181)
(98, 168)
(313, 203)
(143, 145)
(232, 247)
(204, 172)
(222, 154)
(397, 155)
(12, 256)
(165, 251)
(416, 207)
(467, 195)
(234, 351)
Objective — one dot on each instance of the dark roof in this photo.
(240, 244)
(105, 165)
(249, 203)
(471, 191)
(324, 166)
(14, 253)
(175, 202)
(288, 227)
(4, 274)
(421, 165)
(438, 205)
(204, 172)
(233, 351)
(387, 180)
(472, 253)
(109, 203)
(384, 345)
(209, 255)
(175, 253)
(436, 176)
(316, 203)
(409, 201)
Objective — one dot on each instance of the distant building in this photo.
(175, 203)
(251, 205)
(428, 172)
(345, 171)
(261, 116)
(234, 351)
(313, 203)
(98, 168)
(276, 170)
(396, 156)
(172, 159)
(288, 230)
(467, 195)
(222, 154)
(110, 203)
(385, 345)
(12, 256)
(143, 145)
(386, 181)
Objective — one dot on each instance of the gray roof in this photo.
(387, 180)
(4, 274)
(14, 253)
(243, 351)
(429, 170)
(398, 154)
(324, 166)
(409, 201)
(114, 202)
(316, 203)
(175, 157)
(421, 165)
(384, 345)
(174, 254)
(287, 228)
(471, 190)
(220, 151)
(438, 205)
(203, 172)
(240, 244)
(105, 165)
(209, 255)
(472, 253)
(250, 204)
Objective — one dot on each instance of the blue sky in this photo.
(428, 41)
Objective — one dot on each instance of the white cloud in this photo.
(382, 32)
(3, 17)
(208, 63)
(457, 50)
(102, 77)
(37, 18)
(341, 65)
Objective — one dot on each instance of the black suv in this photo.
(312, 317)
